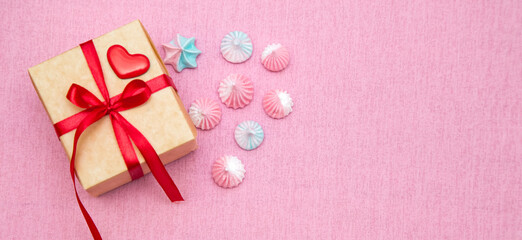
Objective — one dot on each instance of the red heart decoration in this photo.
(127, 65)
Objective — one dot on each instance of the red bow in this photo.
(135, 93)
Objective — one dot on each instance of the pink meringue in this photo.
(277, 103)
(228, 171)
(205, 113)
(275, 57)
(236, 91)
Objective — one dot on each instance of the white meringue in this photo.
(249, 135)
(236, 47)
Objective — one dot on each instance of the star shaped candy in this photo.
(181, 53)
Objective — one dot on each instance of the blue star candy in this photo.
(181, 53)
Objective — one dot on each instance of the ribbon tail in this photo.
(92, 227)
(81, 127)
(151, 157)
(127, 150)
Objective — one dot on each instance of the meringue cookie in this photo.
(236, 91)
(228, 171)
(236, 47)
(181, 53)
(205, 113)
(275, 57)
(249, 135)
(277, 103)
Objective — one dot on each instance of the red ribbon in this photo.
(135, 93)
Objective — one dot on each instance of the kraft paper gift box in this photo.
(163, 119)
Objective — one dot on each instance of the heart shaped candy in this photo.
(127, 65)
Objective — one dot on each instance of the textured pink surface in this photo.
(407, 123)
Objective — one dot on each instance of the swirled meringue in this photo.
(181, 53)
(275, 57)
(236, 47)
(236, 91)
(249, 135)
(277, 103)
(205, 113)
(228, 171)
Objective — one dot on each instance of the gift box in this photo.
(162, 119)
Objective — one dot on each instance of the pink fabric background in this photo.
(407, 123)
